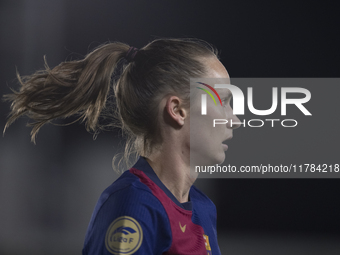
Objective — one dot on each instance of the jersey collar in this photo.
(143, 165)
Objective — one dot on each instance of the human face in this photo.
(208, 143)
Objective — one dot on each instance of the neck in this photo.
(173, 169)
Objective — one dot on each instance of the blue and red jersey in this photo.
(137, 214)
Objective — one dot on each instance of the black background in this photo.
(52, 187)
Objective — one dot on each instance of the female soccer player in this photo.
(153, 208)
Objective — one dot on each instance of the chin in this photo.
(221, 159)
(207, 159)
(217, 158)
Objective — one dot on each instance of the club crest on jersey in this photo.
(207, 244)
(124, 236)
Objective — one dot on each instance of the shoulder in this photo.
(126, 181)
(127, 196)
(127, 185)
(127, 208)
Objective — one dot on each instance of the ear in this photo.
(174, 107)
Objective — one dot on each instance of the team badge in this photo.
(207, 244)
(124, 236)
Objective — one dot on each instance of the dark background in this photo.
(48, 190)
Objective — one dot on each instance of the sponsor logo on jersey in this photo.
(207, 244)
(182, 228)
(124, 236)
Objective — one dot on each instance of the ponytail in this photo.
(81, 88)
(71, 88)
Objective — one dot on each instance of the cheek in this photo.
(218, 116)
(202, 126)
(228, 112)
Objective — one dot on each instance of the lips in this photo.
(225, 147)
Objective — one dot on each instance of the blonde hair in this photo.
(81, 88)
